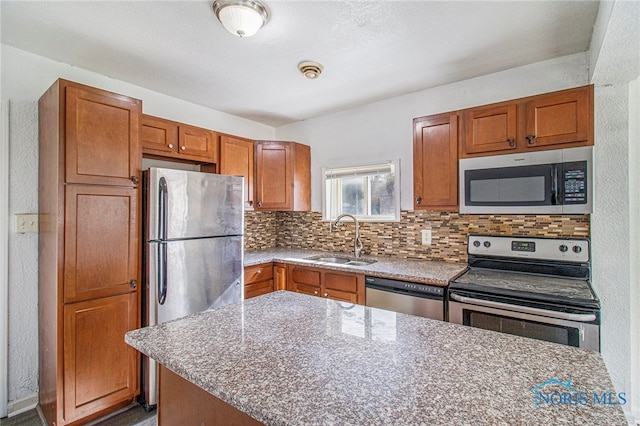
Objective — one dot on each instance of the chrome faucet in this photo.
(357, 243)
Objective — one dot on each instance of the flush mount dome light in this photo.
(310, 69)
(242, 18)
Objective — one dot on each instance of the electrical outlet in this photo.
(426, 237)
(26, 222)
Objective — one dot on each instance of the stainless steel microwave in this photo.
(557, 181)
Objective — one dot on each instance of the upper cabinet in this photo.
(101, 136)
(283, 176)
(168, 139)
(490, 128)
(435, 162)
(236, 159)
(561, 119)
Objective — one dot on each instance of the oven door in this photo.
(573, 329)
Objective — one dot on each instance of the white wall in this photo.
(24, 78)
(383, 130)
(615, 231)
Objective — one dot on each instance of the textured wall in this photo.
(260, 230)
(23, 251)
(403, 238)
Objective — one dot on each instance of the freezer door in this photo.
(197, 204)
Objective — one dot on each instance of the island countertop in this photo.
(415, 270)
(290, 359)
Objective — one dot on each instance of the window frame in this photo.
(328, 212)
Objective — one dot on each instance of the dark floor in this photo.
(135, 415)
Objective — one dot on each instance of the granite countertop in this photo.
(415, 270)
(290, 359)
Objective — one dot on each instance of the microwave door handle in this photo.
(554, 185)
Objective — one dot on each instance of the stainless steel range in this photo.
(531, 287)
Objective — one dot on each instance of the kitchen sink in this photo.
(339, 260)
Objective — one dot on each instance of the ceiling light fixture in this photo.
(310, 69)
(242, 18)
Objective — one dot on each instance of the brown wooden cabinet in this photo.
(258, 280)
(344, 286)
(89, 251)
(562, 119)
(490, 128)
(168, 139)
(236, 159)
(435, 162)
(283, 176)
(100, 368)
(279, 276)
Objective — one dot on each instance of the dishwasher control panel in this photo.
(409, 287)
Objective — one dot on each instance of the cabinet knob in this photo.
(530, 139)
(183, 147)
(259, 203)
(135, 180)
(326, 295)
(133, 284)
(315, 292)
(170, 145)
(259, 271)
(418, 200)
(512, 142)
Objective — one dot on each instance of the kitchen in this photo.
(349, 135)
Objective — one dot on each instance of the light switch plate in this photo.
(26, 222)
(426, 237)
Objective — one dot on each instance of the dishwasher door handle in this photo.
(524, 309)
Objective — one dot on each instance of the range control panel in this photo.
(572, 250)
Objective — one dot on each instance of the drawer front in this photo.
(341, 282)
(343, 296)
(258, 289)
(253, 274)
(306, 276)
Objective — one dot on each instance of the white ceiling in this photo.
(371, 50)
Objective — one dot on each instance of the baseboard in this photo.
(22, 405)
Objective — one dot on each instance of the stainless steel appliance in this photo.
(530, 287)
(556, 181)
(406, 297)
(193, 234)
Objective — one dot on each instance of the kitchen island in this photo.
(291, 359)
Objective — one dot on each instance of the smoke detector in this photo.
(310, 69)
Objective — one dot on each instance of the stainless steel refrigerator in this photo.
(193, 238)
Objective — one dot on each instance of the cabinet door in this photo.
(197, 143)
(100, 369)
(159, 136)
(560, 118)
(236, 159)
(101, 241)
(274, 181)
(258, 288)
(435, 162)
(304, 280)
(490, 128)
(102, 137)
(345, 287)
(279, 277)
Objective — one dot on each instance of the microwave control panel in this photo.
(574, 177)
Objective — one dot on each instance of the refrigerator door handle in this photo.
(163, 209)
(162, 272)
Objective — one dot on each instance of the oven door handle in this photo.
(524, 309)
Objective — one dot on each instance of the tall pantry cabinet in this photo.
(89, 251)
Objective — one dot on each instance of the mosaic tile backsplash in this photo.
(449, 230)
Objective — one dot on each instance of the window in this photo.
(371, 193)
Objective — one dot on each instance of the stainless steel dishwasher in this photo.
(406, 297)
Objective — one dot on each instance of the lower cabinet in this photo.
(258, 280)
(344, 286)
(100, 369)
